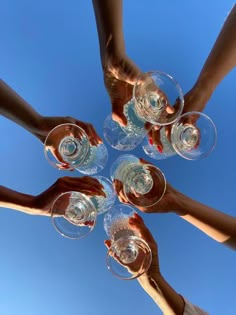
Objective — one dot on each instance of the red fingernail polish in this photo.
(150, 141)
(159, 148)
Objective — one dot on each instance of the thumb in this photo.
(107, 243)
(119, 117)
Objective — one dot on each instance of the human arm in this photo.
(120, 72)
(153, 282)
(220, 61)
(15, 108)
(41, 204)
(218, 225)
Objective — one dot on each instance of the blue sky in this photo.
(49, 54)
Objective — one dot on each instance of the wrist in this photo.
(179, 203)
(112, 56)
(202, 91)
(38, 127)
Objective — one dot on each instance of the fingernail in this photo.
(159, 148)
(150, 141)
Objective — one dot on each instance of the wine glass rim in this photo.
(140, 80)
(163, 192)
(205, 116)
(128, 238)
(62, 125)
(72, 167)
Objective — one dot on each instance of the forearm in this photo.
(15, 108)
(222, 57)
(18, 201)
(219, 226)
(108, 16)
(168, 300)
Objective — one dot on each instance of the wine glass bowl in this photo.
(158, 98)
(66, 146)
(143, 184)
(119, 137)
(74, 214)
(193, 136)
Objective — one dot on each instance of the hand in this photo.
(136, 223)
(120, 75)
(48, 123)
(197, 98)
(87, 185)
(154, 135)
(165, 205)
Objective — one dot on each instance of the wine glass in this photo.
(67, 147)
(129, 255)
(74, 214)
(193, 137)
(143, 184)
(157, 99)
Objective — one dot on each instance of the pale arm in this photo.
(152, 281)
(168, 300)
(218, 225)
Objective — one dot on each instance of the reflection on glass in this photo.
(157, 99)
(74, 214)
(129, 255)
(143, 184)
(67, 147)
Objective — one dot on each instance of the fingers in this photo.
(124, 70)
(91, 186)
(87, 185)
(137, 217)
(118, 186)
(107, 243)
(120, 93)
(118, 116)
(168, 132)
(91, 133)
(137, 223)
(144, 161)
(62, 165)
(155, 138)
(170, 109)
(89, 223)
